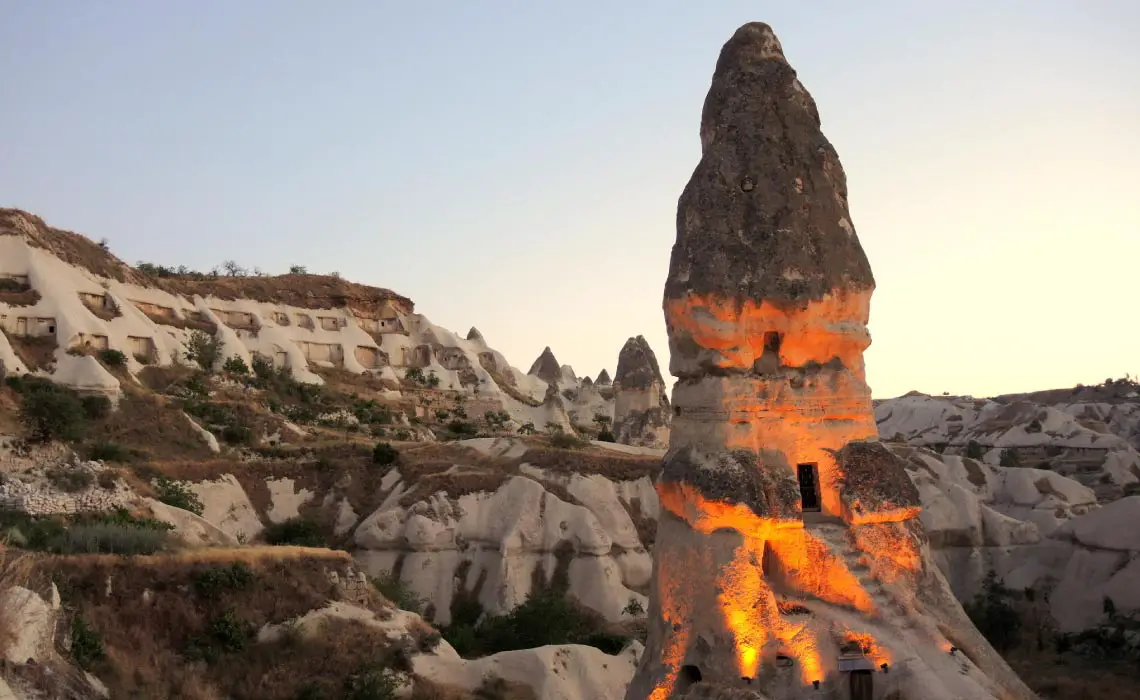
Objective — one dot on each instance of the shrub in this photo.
(70, 480)
(974, 450)
(49, 412)
(462, 429)
(432, 380)
(236, 365)
(300, 531)
(527, 428)
(390, 586)
(112, 358)
(566, 441)
(95, 406)
(384, 454)
(262, 368)
(547, 617)
(107, 451)
(225, 633)
(86, 643)
(110, 538)
(606, 436)
(178, 495)
(993, 614)
(415, 374)
(372, 684)
(1009, 458)
(497, 420)
(634, 608)
(212, 582)
(203, 349)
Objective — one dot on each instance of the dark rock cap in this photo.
(637, 365)
(546, 367)
(474, 334)
(603, 378)
(764, 215)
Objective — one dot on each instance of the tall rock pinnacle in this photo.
(546, 367)
(641, 400)
(790, 562)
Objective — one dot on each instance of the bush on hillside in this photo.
(177, 495)
(50, 412)
(235, 365)
(566, 441)
(113, 358)
(203, 349)
(390, 586)
(992, 612)
(384, 454)
(300, 532)
(547, 617)
(212, 582)
(86, 643)
(1009, 458)
(95, 406)
(107, 451)
(974, 450)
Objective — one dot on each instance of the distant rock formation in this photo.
(546, 367)
(603, 379)
(788, 536)
(641, 400)
(475, 335)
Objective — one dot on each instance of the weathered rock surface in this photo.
(641, 399)
(1092, 443)
(766, 305)
(546, 367)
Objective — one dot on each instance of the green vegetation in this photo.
(566, 441)
(178, 495)
(1009, 458)
(225, 633)
(49, 411)
(992, 612)
(113, 358)
(390, 586)
(116, 532)
(86, 643)
(70, 479)
(212, 582)
(203, 349)
(547, 617)
(301, 532)
(974, 450)
(106, 451)
(384, 454)
(235, 365)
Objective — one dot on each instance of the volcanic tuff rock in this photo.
(641, 400)
(766, 305)
(546, 367)
(603, 378)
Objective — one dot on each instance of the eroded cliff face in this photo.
(787, 533)
(641, 400)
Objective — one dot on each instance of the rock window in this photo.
(808, 475)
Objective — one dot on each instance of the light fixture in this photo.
(815, 684)
(886, 668)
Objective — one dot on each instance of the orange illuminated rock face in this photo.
(788, 552)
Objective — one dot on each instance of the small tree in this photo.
(432, 380)
(384, 454)
(974, 450)
(1009, 458)
(552, 427)
(204, 349)
(414, 374)
(236, 365)
(232, 269)
(52, 413)
(298, 270)
(527, 428)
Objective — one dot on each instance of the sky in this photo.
(515, 165)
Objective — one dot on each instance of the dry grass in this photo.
(36, 352)
(26, 297)
(594, 460)
(72, 248)
(148, 613)
(303, 291)
(15, 570)
(152, 427)
(1065, 677)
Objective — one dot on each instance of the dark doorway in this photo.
(772, 341)
(808, 476)
(862, 685)
(688, 676)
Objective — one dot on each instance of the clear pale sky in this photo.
(515, 165)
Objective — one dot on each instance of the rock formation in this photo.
(546, 367)
(790, 559)
(603, 378)
(641, 400)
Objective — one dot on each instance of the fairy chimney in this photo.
(546, 367)
(641, 400)
(789, 560)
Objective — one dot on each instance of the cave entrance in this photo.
(808, 475)
(688, 676)
(862, 685)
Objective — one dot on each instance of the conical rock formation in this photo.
(641, 400)
(603, 378)
(790, 562)
(546, 367)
